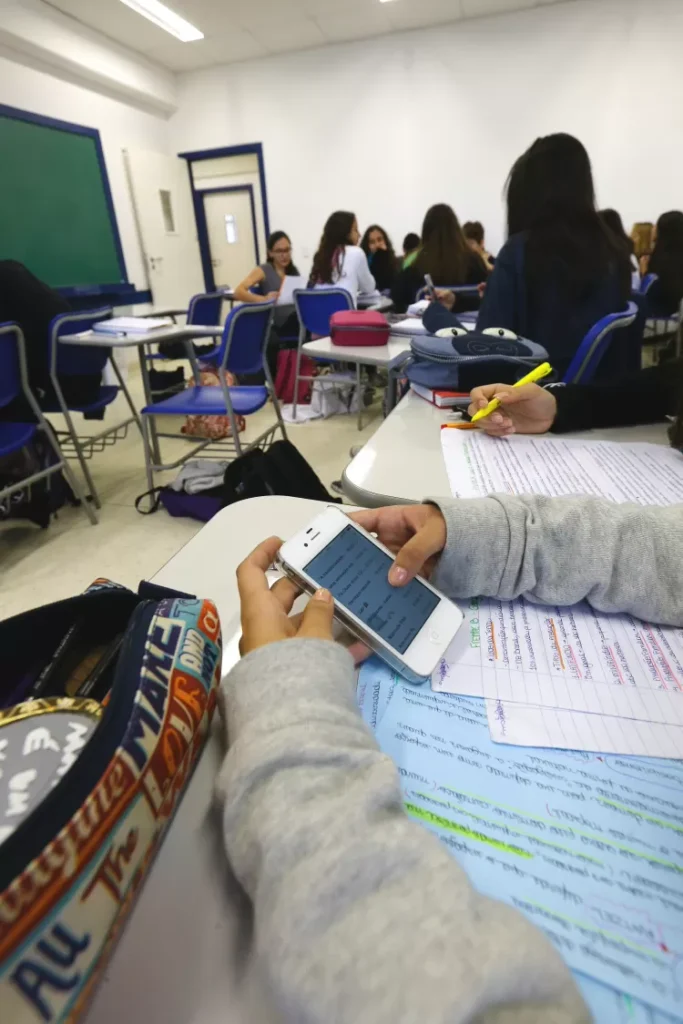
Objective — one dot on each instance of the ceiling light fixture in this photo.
(165, 18)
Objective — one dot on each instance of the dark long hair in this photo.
(474, 230)
(444, 253)
(330, 254)
(667, 256)
(365, 242)
(612, 219)
(273, 239)
(551, 199)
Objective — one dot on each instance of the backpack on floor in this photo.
(38, 501)
(281, 469)
(459, 360)
(286, 375)
(107, 700)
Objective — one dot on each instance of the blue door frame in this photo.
(250, 148)
(203, 230)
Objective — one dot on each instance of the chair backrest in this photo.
(647, 282)
(464, 289)
(205, 309)
(245, 336)
(76, 360)
(315, 306)
(595, 344)
(11, 341)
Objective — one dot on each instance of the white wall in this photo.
(388, 126)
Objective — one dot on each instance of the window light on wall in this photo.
(165, 18)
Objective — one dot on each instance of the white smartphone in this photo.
(409, 627)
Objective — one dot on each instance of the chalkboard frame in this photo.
(111, 288)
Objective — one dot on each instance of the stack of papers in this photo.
(132, 324)
(587, 846)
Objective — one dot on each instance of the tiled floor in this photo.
(38, 566)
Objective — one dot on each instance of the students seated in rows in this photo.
(665, 295)
(380, 255)
(339, 262)
(411, 247)
(445, 255)
(649, 396)
(473, 230)
(561, 270)
(362, 914)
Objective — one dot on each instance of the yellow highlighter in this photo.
(541, 371)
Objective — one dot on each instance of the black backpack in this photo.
(281, 469)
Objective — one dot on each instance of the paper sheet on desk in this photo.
(588, 847)
(572, 658)
(528, 726)
(477, 465)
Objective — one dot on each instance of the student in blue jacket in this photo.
(561, 270)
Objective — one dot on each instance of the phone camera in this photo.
(305, 545)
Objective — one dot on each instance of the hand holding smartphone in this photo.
(409, 626)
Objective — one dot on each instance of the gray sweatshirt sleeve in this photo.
(563, 550)
(361, 916)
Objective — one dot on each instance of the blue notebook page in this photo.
(590, 848)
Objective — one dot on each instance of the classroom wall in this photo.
(390, 125)
(37, 88)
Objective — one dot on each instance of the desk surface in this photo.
(372, 355)
(178, 332)
(177, 959)
(402, 461)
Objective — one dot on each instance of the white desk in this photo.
(386, 356)
(380, 303)
(96, 339)
(402, 461)
(179, 960)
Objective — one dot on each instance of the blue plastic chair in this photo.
(647, 282)
(314, 307)
(242, 351)
(204, 309)
(593, 347)
(13, 436)
(75, 360)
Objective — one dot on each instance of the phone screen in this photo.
(355, 572)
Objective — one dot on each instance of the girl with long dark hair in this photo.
(444, 255)
(339, 262)
(561, 269)
(380, 255)
(267, 278)
(664, 297)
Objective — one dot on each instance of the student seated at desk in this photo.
(612, 219)
(339, 262)
(446, 256)
(561, 270)
(473, 230)
(381, 257)
(411, 247)
(665, 294)
(28, 301)
(267, 281)
(361, 914)
(646, 397)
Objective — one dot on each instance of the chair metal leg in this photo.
(296, 375)
(154, 440)
(81, 458)
(127, 395)
(146, 444)
(359, 392)
(276, 403)
(71, 477)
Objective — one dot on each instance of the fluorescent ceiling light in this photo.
(165, 18)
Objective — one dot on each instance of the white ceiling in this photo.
(237, 30)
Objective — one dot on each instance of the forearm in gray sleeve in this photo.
(361, 915)
(563, 550)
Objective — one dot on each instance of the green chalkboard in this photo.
(55, 216)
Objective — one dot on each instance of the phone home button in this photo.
(434, 636)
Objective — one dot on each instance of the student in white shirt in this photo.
(339, 262)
